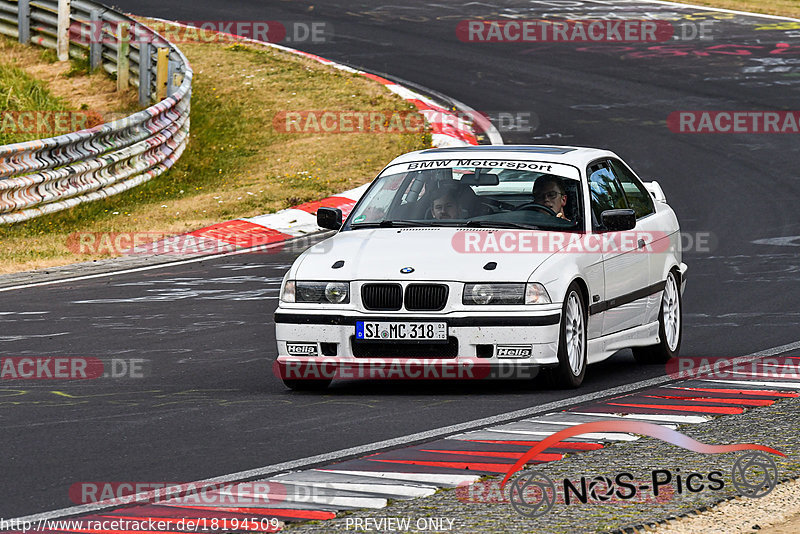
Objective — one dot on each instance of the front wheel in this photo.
(670, 325)
(571, 342)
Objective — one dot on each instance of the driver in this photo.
(446, 203)
(549, 191)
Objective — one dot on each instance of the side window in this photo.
(380, 198)
(604, 189)
(638, 197)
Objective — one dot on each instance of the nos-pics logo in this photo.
(533, 494)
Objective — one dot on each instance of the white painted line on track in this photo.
(259, 248)
(680, 419)
(770, 352)
(574, 423)
(476, 424)
(433, 478)
(604, 436)
(795, 385)
(322, 476)
(736, 374)
(23, 337)
(722, 10)
(331, 500)
(377, 488)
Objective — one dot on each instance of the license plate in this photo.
(401, 331)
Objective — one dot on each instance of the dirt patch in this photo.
(95, 92)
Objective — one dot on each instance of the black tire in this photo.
(563, 376)
(663, 351)
(306, 385)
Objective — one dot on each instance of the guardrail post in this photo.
(95, 40)
(62, 33)
(123, 62)
(145, 74)
(162, 70)
(172, 68)
(24, 21)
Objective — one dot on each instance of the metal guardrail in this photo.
(49, 175)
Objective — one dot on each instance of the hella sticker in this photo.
(514, 351)
(301, 349)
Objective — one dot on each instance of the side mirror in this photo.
(618, 220)
(329, 218)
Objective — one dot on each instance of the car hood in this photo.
(432, 253)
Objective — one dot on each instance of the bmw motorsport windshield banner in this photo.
(559, 169)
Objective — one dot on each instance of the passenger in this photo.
(549, 191)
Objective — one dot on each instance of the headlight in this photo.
(337, 292)
(535, 293)
(481, 294)
(494, 294)
(316, 292)
(288, 290)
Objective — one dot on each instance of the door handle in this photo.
(642, 243)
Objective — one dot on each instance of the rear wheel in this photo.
(306, 385)
(670, 325)
(571, 342)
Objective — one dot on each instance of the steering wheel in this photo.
(535, 206)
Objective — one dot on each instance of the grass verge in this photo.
(32, 80)
(21, 92)
(237, 164)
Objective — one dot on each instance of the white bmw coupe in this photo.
(486, 262)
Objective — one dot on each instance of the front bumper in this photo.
(479, 346)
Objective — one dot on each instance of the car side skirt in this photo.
(604, 347)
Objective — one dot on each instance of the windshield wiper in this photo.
(499, 224)
(389, 223)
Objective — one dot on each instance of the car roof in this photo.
(571, 155)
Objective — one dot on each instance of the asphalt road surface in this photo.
(208, 403)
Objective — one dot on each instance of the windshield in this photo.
(473, 196)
